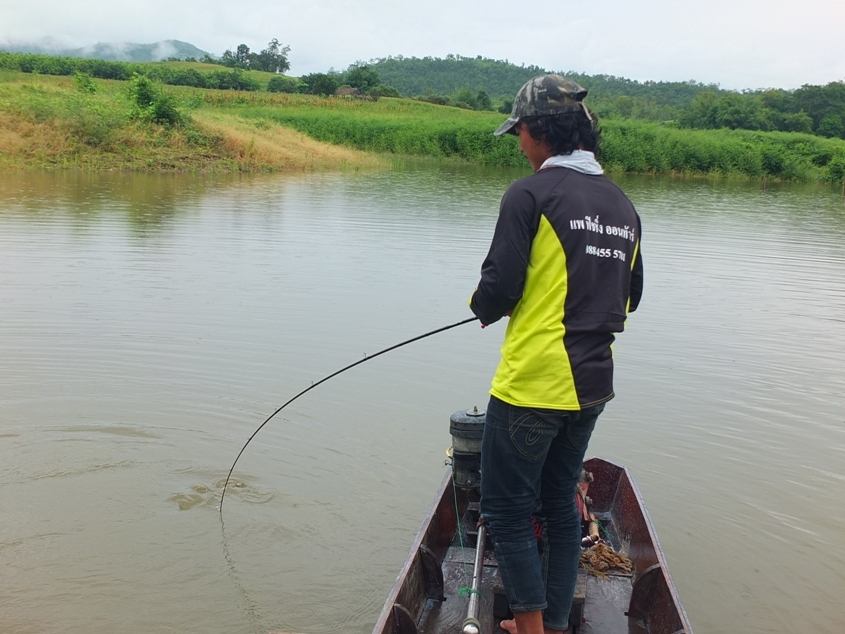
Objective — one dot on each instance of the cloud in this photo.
(735, 43)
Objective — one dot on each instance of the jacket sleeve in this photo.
(636, 293)
(503, 271)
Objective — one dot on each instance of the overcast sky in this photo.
(734, 43)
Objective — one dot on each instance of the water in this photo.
(149, 324)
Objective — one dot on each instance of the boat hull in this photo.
(430, 595)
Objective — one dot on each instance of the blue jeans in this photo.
(530, 462)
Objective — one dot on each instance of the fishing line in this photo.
(323, 380)
(249, 605)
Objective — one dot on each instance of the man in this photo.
(565, 264)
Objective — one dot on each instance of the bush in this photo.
(439, 100)
(150, 103)
(382, 91)
(836, 169)
(230, 80)
(84, 83)
(320, 83)
(282, 84)
(187, 77)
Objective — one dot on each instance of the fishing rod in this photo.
(323, 380)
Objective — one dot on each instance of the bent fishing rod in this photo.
(326, 378)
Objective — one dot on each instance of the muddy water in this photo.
(149, 324)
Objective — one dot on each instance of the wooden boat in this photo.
(431, 596)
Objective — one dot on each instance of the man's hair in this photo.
(566, 132)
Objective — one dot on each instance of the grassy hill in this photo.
(48, 121)
(197, 74)
(470, 83)
(259, 76)
(413, 76)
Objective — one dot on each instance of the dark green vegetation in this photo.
(272, 59)
(814, 109)
(206, 74)
(149, 102)
(433, 77)
(175, 73)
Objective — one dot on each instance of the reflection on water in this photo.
(150, 323)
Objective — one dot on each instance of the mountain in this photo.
(414, 76)
(609, 95)
(111, 51)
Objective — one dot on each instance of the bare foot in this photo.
(509, 626)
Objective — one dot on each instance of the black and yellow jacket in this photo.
(565, 264)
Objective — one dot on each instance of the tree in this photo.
(482, 101)
(228, 59)
(320, 83)
(273, 59)
(794, 122)
(821, 101)
(242, 56)
(362, 77)
(832, 124)
(465, 99)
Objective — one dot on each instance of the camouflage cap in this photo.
(541, 96)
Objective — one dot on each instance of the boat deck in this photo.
(449, 615)
(603, 601)
(431, 593)
(605, 604)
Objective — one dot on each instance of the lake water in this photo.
(149, 324)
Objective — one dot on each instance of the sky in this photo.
(737, 44)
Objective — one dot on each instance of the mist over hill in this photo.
(112, 51)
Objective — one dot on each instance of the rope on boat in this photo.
(323, 380)
(601, 559)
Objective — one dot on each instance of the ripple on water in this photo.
(129, 432)
(82, 470)
(201, 494)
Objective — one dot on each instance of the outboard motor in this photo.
(467, 428)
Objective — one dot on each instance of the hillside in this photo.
(82, 122)
(51, 122)
(485, 84)
(413, 76)
(117, 52)
(812, 109)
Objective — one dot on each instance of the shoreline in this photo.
(53, 123)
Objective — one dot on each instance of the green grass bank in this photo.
(51, 122)
(63, 121)
(411, 127)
